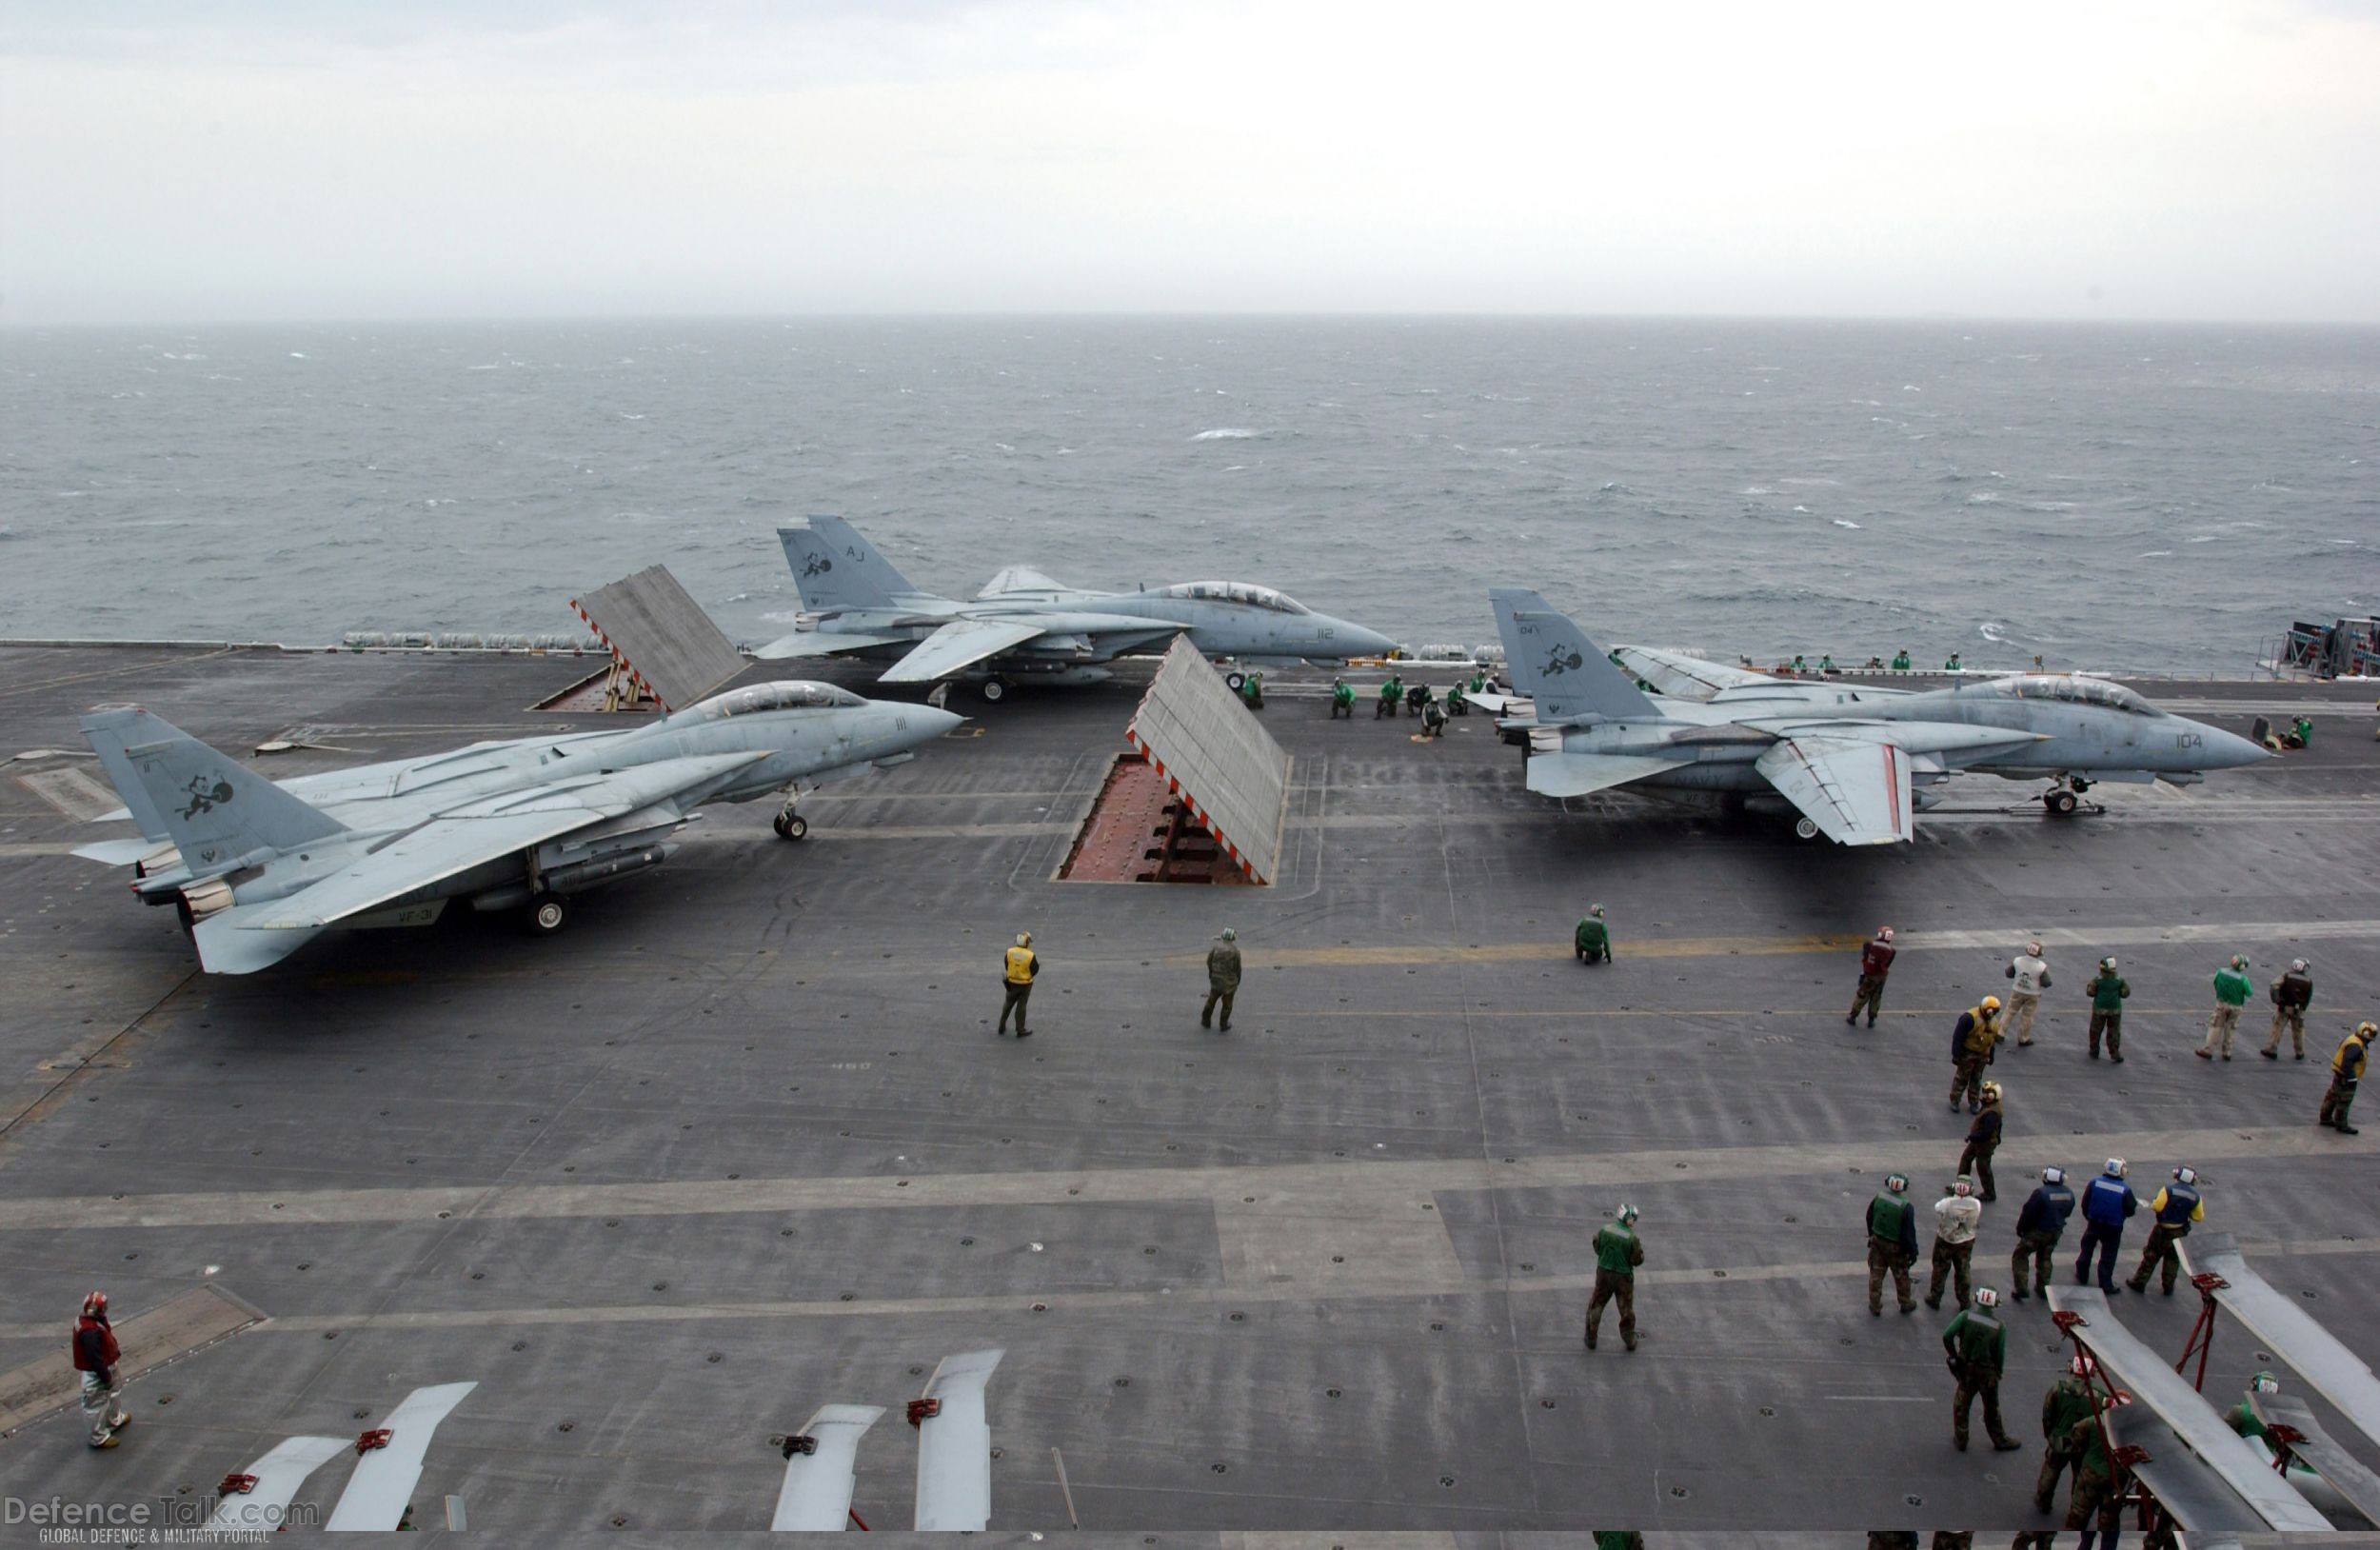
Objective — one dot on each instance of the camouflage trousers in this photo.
(1888, 1259)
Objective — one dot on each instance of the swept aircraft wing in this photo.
(1021, 582)
(273, 1482)
(960, 644)
(955, 1446)
(385, 1476)
(816, 1496)
(480, 832)
(1689, 678)
(819, 643)
(1855, 789)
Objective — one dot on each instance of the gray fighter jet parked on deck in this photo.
(1854, 759)
(257, 869)
(1023, 625)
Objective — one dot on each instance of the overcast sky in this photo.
(183, 160)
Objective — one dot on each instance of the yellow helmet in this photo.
(1991, 1004)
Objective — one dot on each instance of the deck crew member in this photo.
(1342, 699)
(1977, 1343)
(1875, 962)
(1432, 719)
(95, 1353)
(1458, 703)
(2093, 1504)
(1951, 665)
(1593, 940)
(2347, 1069)
(1955, 1217)
(2177, 1207)
(1900, 660)
(2107, 992)
(2231, 993)
(1018, 965)
(2108, 1203)
(2041, 1223)
(1974, 1039)
(2068, 1402)
(1222, 977)
(1392, 693)
(1617, 1256)
(2291, 994)
(2242, 1417)
(1891, 1244)
(2031, 975)
(1983, 1139)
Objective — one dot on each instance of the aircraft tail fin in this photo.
(834, 567)
(212, 806)
(1553, 664)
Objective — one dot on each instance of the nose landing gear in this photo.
(2065, 798)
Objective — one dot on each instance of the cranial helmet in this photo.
(1990, 1092)
(1885, 932)
(2238, 961)
(1895, 1182)
(2083, 1365)
(1962, 1186)
(1991, 1004)
(1024, 939)
(2054, 1176)
(2034, 947)
(1230, 935)
(1596, 911)
(2297, 965)
(2114, 1168)
(2184, 1175)
(2106, 963)
(2264, 1383)
(94, 1305)
(1987, 1297)
(2364, 1031)
(1625, 1213)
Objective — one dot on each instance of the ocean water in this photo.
(2149, 497)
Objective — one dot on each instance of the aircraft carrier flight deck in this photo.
(742, 1142)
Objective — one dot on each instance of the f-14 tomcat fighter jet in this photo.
(1856, 759)
(1025, 625)
(257, 869)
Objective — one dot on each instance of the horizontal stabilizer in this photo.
(960, 644)
(955, 1446)
(1576, 774)
(118, 852)
(1856, 791)
(819, 643)
(1022, 583)
(227, 946)
(382, 1486)
(273, 1479)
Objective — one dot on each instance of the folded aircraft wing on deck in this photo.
(960, 644)
(1855, 789)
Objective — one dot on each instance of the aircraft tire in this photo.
(1235, 681)
(546, 915)
(790, 826)
(1805, 828)
(2060, 803)
(995, 688)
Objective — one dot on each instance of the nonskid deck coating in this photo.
(1340, 1254)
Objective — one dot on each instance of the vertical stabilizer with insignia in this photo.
(1552, 662)
(214, 807)
(834, 567)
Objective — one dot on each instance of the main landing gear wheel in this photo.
(995, 688)
(546, 915)
(1235, 682)
(2060, 802)
(1805, 828)
(790, 825)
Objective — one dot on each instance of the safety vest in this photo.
(2180, 1201)
(1020, 965)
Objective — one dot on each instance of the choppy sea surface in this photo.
(2157, 498)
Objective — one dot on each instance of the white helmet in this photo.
(1962, 1186)
(1625, 1213)
(2083, 1365)
(2184, 1175)
(2033, 949)
(2054, 1176)
(2114, 1168)
(2106, 963)
(2297, 965)
(1884, 933)
(1987, 1297)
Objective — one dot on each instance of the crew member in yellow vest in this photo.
(1018, 965)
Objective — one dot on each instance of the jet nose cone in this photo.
(2229, 750)
(934, 723)
(1360, 642)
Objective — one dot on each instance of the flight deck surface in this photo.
(739, 1142)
